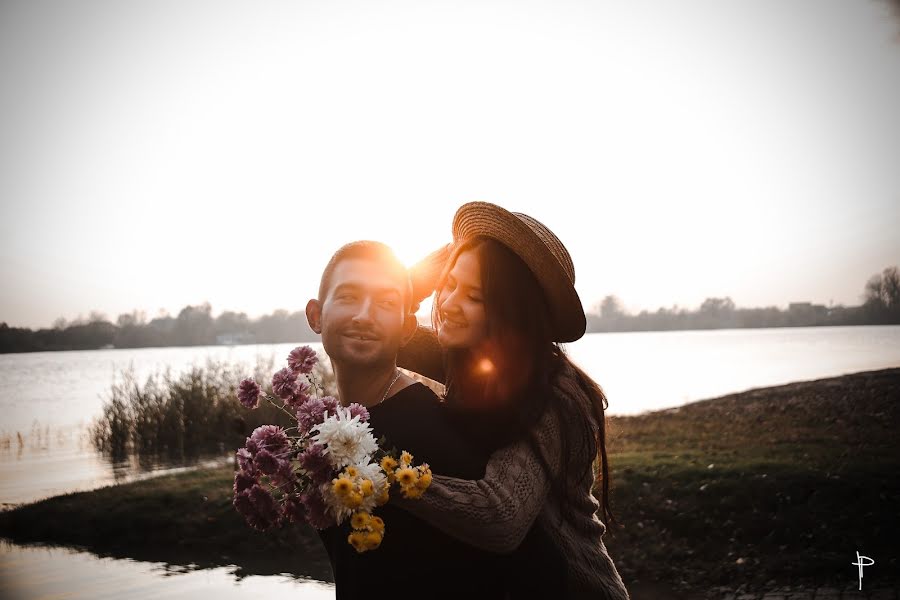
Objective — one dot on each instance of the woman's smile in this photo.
(453, 323)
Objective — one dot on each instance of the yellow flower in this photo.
(357, 539)
(372, 540)
(383, 497)
(360, 520)
(366, 487)
(342, 486)
(405, 459)
(407, 476)
(388, 464)
(412, 492)
(377, 524)
(353, 500)
(351, 471)
(424, 481)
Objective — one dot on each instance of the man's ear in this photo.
(409, 328)
(314, 315)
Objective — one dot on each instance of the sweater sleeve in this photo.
(495, 513)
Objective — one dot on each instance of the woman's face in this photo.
(460, 303)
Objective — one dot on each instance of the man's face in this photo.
(362, 318)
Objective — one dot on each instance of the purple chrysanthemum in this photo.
(316, 463)
(265, 514)
(283, 383)
(358, 410)
(302, 359)
(300, 395)
(243, 481)
(266, 461)
(310, 414)
(316, 509)
(284, 476)
(245, 461)
(243, 504)
(331, 404)
(246, 504)
(269, 437)
(293, 510)
(248, 393)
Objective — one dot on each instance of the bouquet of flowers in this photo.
(326, 469)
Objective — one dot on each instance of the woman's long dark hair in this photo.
(503, 404)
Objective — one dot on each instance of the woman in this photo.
(504, 299)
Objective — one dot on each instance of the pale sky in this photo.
(160, 154)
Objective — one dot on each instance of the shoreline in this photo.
(318, 340)
(770, 486)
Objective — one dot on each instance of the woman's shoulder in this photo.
(575, 410)
(567, 384)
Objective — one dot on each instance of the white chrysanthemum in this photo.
(373, 473)
(335, 508)
(346, 440)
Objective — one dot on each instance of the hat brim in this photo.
(486, 219)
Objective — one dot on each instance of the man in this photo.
(364, 314)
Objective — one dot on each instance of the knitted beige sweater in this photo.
(496, 512)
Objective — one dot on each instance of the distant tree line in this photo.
(195, 325)
(881, 306)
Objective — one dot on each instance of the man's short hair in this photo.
(369, 250)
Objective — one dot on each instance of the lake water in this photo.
(44, 572)
(48, 399)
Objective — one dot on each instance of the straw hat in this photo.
(540, 249)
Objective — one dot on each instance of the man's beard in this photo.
(379, 352)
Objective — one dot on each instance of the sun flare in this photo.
(411, 250)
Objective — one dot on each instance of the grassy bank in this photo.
(778, 484)
(783, 483)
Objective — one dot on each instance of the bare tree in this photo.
(883, 290)
(96, 317)
(717, 305)
(890, 283)
(611, 307)
(135, 318)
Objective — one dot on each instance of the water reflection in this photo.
(47, 461)
(43, 571)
